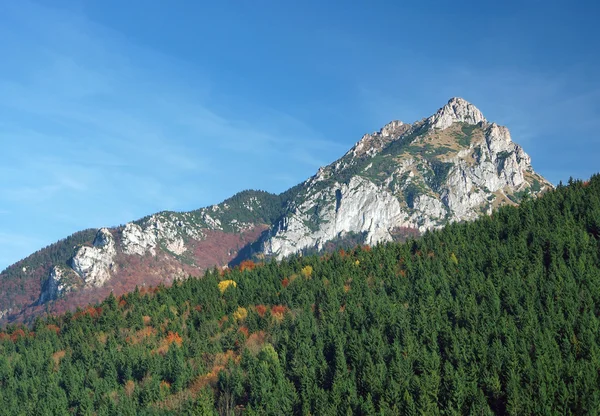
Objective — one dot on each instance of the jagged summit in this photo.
(457, 110)
(371, 144)
(405, 178)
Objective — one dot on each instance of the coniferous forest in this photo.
(497, 316)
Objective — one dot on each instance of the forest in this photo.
(496, 316)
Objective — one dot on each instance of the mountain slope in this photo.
(452, 166)
(402, 180)
(495, 316)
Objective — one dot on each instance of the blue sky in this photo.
(111, 110)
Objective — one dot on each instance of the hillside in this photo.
(400, 181)
(499, 315)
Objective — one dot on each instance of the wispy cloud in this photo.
(97, 127)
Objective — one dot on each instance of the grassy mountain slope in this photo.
(501, 315)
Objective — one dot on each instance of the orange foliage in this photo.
(346, 288)
(141, 335)
(244, 331)
(247, 265)
(174, 337)
(198, 308)
(171, 338)
(146, 319)
(261, 310)
(165, 385)
(224, 319)
(285, 282)
(53, 328)
(129, 388)
(366, 247)
(56, 357)
(342, 253)
(122, 303)
(277, 311)
(89, 311)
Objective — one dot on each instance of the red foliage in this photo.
(342, 253)
(198, 308)
(244, 331)
(285, 282)
(278, 310)
(19, 333)
(261, 310)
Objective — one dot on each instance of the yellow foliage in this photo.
(357, 262)
(453, 258)
(307, 271)
(225, 284)
(240, 314)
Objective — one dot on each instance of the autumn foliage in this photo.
(247, 265)
(223, 285)
(261, 310)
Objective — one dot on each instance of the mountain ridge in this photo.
(452, 166)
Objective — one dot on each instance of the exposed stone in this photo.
(95, 264)
(54, 286)
(135, 240)
(487, 163)
(457, 110)
(360, 206)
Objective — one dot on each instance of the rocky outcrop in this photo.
(137, 241)
(371, 144)
(449, 167)
(457, 110)
(404, 178)
(54, 286)
(96, 263)
(359, 206)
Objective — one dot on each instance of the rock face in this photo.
(359, 206)
(457, 110)
(95, 264)
(54, 287)
(452, 166)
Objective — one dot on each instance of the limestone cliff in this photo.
(452, 166)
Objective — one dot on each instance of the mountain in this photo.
(399, 181)
(495, 316)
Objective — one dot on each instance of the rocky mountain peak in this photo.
(398, 181)
(371, 144)
(393, 128)
(456, 110)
